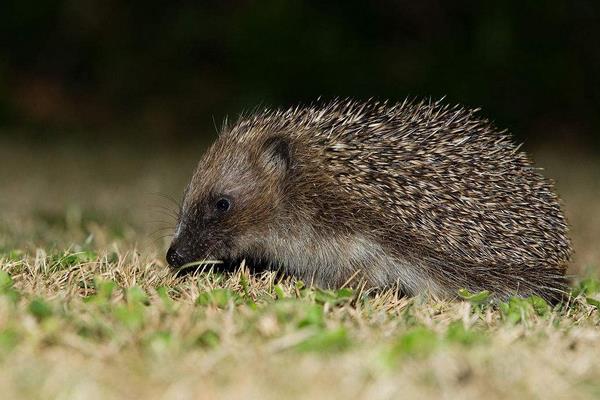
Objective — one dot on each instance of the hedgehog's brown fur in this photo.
(427, 196)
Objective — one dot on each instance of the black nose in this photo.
(174, 259)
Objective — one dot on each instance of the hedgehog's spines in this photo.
(421, 182)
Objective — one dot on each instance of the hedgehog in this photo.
(419, 195)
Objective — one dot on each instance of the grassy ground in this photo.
(88, 309)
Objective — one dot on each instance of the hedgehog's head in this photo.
(236, 195)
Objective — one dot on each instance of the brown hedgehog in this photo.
(429, 197)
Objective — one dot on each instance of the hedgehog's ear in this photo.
(277, 154)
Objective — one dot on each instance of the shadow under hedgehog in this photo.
(423, 195)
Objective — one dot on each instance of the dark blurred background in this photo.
(163, 71)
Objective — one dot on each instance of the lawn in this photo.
(89, 310)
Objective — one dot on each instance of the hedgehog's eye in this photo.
(223, 204)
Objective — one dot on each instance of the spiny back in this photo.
(439, 174)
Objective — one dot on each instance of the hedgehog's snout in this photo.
(179, 252)
(174, 258)
(193, 245)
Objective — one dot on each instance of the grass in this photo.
(118, 325)
(89, 310)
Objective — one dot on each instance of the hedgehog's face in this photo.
(231, 201)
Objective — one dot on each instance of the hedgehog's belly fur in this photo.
(336, 260)
(331, 262)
